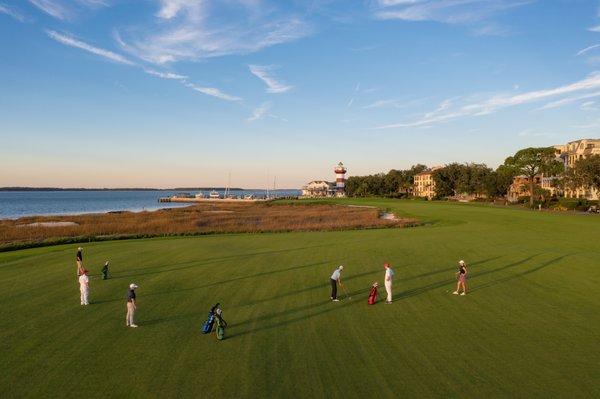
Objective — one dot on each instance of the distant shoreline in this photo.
(137, 189)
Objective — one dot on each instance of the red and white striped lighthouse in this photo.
(340, 180)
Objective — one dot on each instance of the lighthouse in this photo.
(340, 180)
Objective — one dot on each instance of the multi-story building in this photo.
(570, 153)
(576, 150)
(520, 187)
(424, 184)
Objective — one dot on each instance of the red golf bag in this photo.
(373, 294)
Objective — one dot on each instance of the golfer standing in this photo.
(389, 276)
(131, 306)
(462, 278)
(79, 261)
(84, 287)
(105, 271)
(336, 278)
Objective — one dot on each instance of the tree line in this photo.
(479, 180)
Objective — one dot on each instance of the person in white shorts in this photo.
(84, 287)
(389, 276)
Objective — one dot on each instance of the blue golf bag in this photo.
(208, 324)
(207, 327)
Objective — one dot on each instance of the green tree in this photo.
(449, 180)
(533, 161)
(584, 174)
(498, 182)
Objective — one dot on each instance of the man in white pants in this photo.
(389, 275)
(84, 287)
(131, 306)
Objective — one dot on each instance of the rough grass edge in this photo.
(116, 237)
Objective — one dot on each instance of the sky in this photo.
(170, 93)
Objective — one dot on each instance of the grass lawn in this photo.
(530, 326)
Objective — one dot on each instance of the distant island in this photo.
(133, 189)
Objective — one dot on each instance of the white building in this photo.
(319, 189)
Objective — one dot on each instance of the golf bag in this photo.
(208, 324)
(373, 294)
(207, 327)
(221, 324)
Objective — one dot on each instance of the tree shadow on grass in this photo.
(341, 292)
(332, 306)
(231, 280)
(346, 303)
(208, 261)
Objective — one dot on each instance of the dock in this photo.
(202, 200)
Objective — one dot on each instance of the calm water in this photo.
(15, 204)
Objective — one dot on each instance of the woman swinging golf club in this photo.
(462, 278)
(336, 278)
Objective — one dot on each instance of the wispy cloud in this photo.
(69, 40)
(446, 11)
(53, 8)
(264, 111)
(595, 29)
(190, 30)
(264, 73)
(211, 91)
(394, 103)
(11, 11)
(66, 9)
(589, 106)
(260, 112)
(590, 48)
(569, 100)
(447, 111)
(164, 75)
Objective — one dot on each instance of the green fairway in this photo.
(529, 327)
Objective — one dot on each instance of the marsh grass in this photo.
(205, 218)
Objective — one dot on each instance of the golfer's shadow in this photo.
(333, 306)
(451, 281)
(519, 275)
(167, 319)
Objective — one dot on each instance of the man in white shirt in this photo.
(336, 278)
(389, 275)
(84, 287)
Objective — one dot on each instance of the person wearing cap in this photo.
(105, 271)
(336, 278)
(84, 287)
(131, 306)
(79, 259)
(389, 276)
(462, 278)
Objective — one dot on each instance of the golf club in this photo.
(346, 292)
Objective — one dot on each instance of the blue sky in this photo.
(163, 93)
